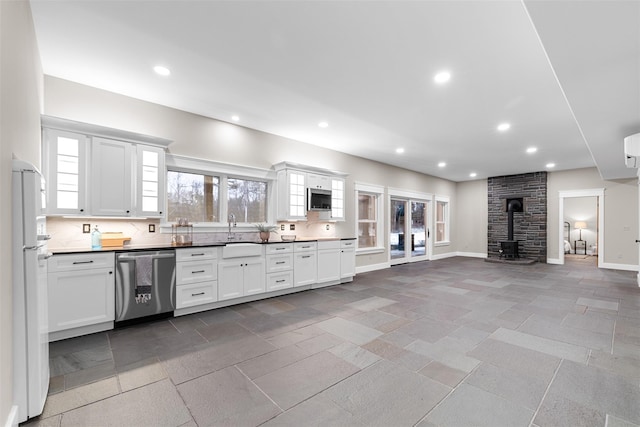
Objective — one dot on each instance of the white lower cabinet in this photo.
(81, 290)
(279, 266)
(347, 260)
(305, 263)
(196, 278)
(238, 277)
(328, 261)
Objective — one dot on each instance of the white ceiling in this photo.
(564, 74)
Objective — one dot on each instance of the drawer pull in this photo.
(280, 249)
(197, 254)
(82, 262)
(306, 256)
(305, 247)
(199, 293)
(280, 262)
(280, 281)
(198, 271)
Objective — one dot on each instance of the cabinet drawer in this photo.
(277, 281)
(279, 263)
(86, 261)
(196, 271)
(305, 246)
(329, 244)
(191, 254)
(196, 294)
(346, 244)
(279, 248)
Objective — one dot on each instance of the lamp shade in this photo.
(580, 225)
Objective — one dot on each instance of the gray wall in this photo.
(620, 213)
(472, 217)
(20, 106)
(205, 138)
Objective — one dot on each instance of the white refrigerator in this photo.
(30, 313)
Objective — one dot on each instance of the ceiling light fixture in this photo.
(323, 124)
(473, 174)
(503, 127)
(400, 150)
(442, 164)
(442, 77)
(235, 118)
(531, 150)
(551, 165)
(161, 70)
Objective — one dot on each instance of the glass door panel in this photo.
(397, 239)
(418, 229)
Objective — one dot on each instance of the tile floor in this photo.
(455, 342)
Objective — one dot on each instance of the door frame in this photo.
(413, 196)
(598, 193)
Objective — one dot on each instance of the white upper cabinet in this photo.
(321, 182)
(337, 199)
(94, 170)
(150, 181)
(111, 173)
(65, 169)
(291, 195)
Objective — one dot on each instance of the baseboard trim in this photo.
(443, 256)
(472, 254)
(372, 267)
(554, 261)
(12, 418)
(613, 266)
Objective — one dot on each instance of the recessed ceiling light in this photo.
(162, 71)
(503, 127)
(442, 77)
(323, 124)
(551, 165)
(473, 174)
(400, 150)
(531, 150)
(442, 164)
(235, 118)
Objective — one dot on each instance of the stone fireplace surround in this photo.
(530, 226)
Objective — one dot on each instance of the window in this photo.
(369, 217)
(193, 196)
(442, 220)
(247, 200)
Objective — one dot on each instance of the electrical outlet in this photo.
(152, 228)
(86, 228)
(281, 227)
(328, 226)
(292, 227)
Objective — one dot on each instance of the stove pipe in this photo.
(513, 205)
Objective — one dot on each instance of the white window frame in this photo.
(447, 221)
(378, 192)
(223, 171)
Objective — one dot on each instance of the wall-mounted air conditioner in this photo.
(632, 151)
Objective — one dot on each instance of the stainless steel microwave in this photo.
(318, 200)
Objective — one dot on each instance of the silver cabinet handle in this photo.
(280, 262)
(280, 249)
(197, 254)
(199, 293)
(306, 256)
(198, 271)
(280, 281)
(82, 262)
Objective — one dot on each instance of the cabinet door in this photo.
(337, 199)
(347, 263)
(305, 269)
(81, 298)
(318, 181)
(66, 172)
(291, 195)
(230, 280)
(150, 181)
(254, 276)
(111, 177)
(328, 265)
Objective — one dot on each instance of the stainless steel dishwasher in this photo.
(145, 283)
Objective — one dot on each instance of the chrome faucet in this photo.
(232, 220)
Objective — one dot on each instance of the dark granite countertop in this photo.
(161, 246)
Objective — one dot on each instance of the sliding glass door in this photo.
(409, 231)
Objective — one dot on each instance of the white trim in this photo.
(372, 267)
(368, 188)
(443, 256)
(12, 418)
(378, 192)
(368, 251)
(472, 254)
(192, 164)
(613, 266)
(408, 194)
(557, 261)
(593, 192)
(443, 243)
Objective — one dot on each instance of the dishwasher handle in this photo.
(133, 257)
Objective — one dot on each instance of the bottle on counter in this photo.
(96, 238)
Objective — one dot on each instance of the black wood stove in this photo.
(509, 247)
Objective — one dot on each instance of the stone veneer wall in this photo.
(530, 226)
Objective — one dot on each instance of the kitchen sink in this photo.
(237, 250)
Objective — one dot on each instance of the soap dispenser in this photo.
(96, 238)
